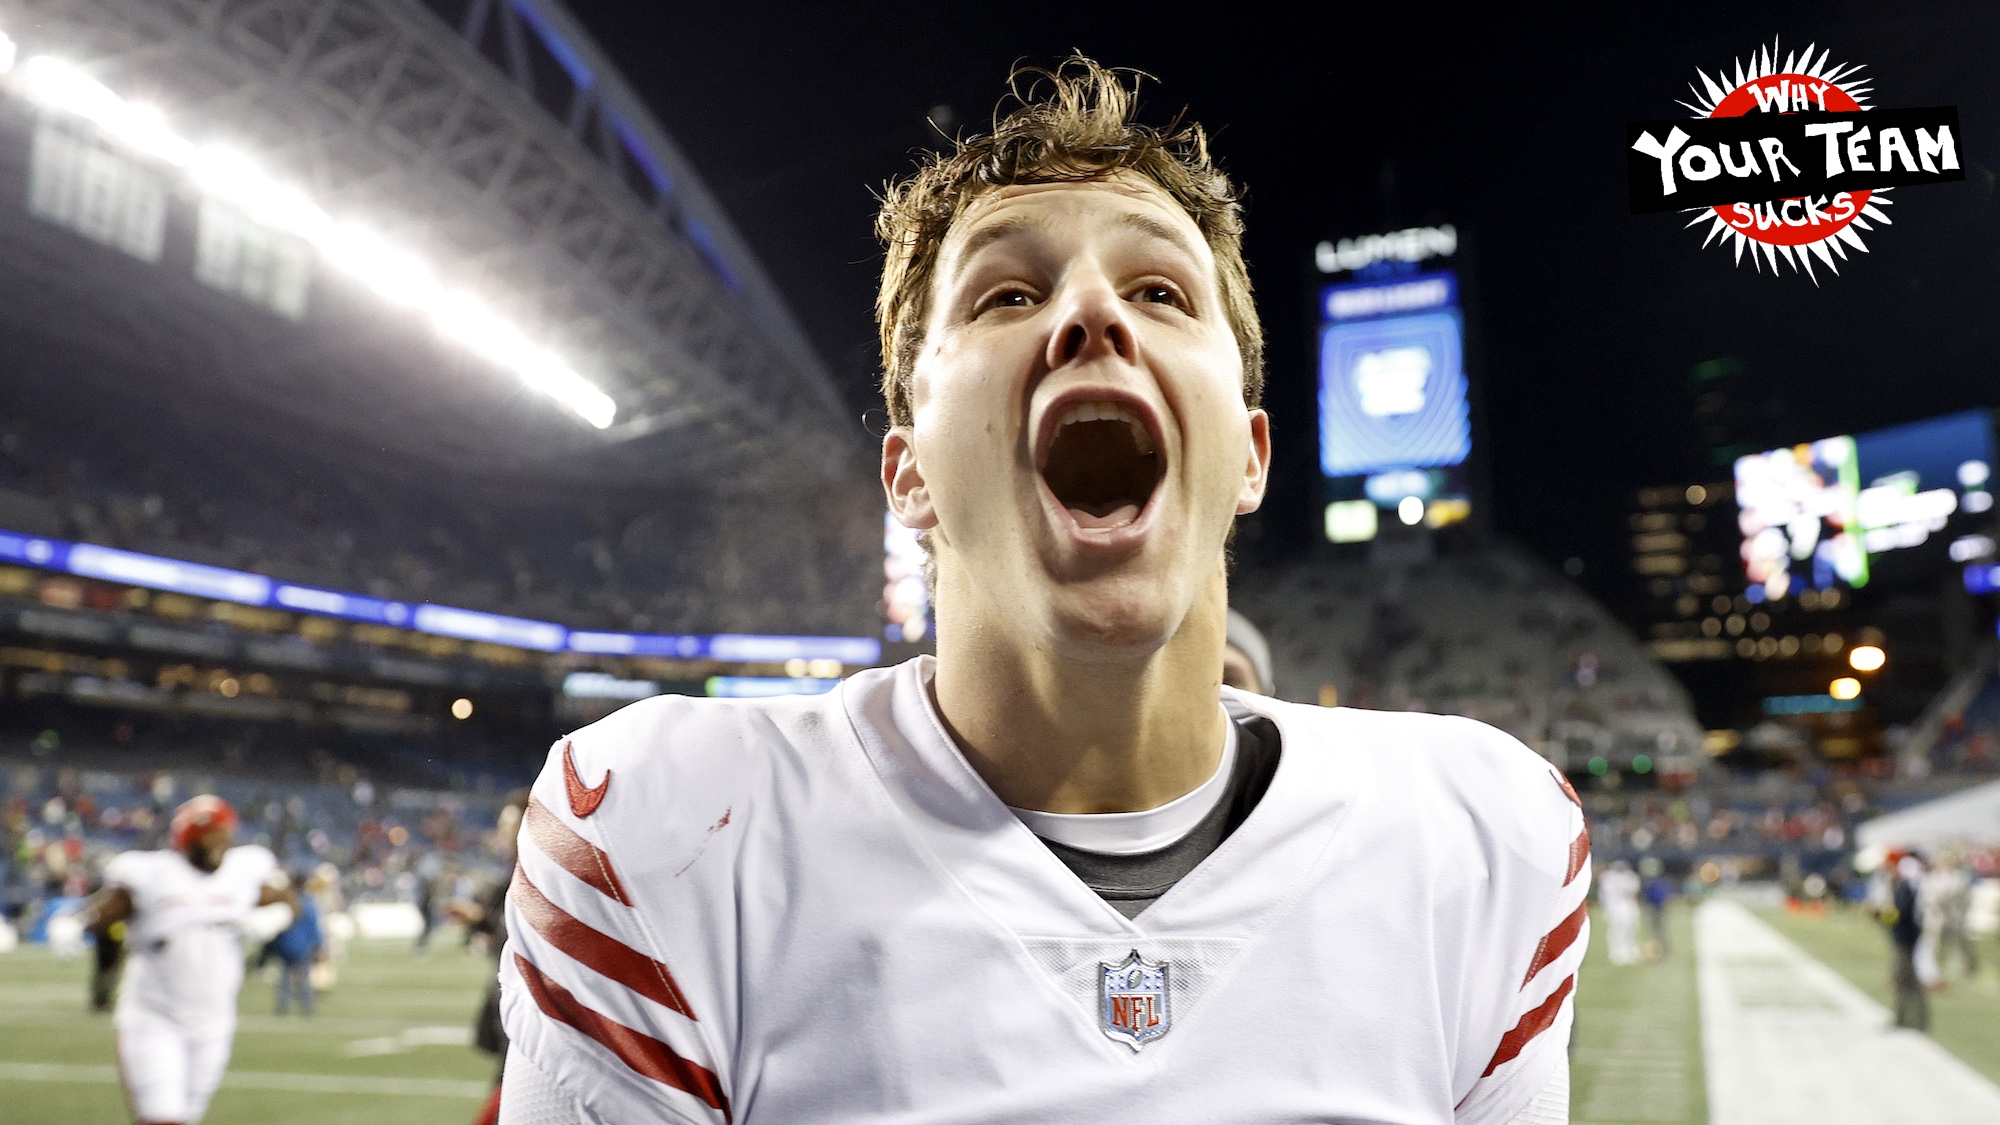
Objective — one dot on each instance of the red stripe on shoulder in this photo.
(1568, 789)
(572, 852)
(1531, 1025)
(604, 954)
(1558, 940)
(646, 1055)
(1579, 854)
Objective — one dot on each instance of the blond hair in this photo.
(1073, 123)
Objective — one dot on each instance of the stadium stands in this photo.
(612, 561)
(1493, 635)
(1959, 733)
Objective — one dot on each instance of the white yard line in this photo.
(1789, 1041)
(259, 1080)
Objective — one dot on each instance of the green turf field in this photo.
(388, 1046)
(1964, 1017)
(1636, 1057)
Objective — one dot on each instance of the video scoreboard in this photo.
(1395, 414)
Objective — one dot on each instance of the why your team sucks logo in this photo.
(1785, 158)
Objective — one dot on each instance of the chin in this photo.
(1114, 618)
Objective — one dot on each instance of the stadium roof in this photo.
(500, 213)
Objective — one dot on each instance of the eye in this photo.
(1159, 295)
(1005, 299)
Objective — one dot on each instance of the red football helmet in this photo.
(198, 815)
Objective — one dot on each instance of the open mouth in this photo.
(1102, 464)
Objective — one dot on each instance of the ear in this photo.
(1256, 472)
(903, 480)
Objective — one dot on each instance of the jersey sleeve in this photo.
(589, 997)
(1545, 949)
(260, 868)
(126, 871)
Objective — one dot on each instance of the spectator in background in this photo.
(1905, 921)
(324, 887)
(1246, 657)
(429, 878)
(297, 947)
(1657, 892)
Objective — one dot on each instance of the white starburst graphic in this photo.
(1799, 81)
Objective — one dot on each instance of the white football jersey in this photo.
(814, 910)
(184, 958)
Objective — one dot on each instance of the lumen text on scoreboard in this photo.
(1395, 420)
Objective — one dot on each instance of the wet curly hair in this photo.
(1070, 124)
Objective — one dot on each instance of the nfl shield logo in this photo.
(1132, 998)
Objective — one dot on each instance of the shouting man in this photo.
(1058, 873)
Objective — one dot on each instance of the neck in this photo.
(1068, 735)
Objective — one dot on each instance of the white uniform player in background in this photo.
(1058, 873)
(184, 909)
(1618, 893)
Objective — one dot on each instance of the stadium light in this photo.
(1866, 658)
(396, 275)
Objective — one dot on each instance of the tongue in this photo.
(1115, 517)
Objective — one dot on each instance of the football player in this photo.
(182, 909)
(1058, 873)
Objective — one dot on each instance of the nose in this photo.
(1092, 324)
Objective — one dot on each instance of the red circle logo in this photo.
(1796, 220)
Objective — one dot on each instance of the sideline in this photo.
(1788, 1041)
(96, 1074)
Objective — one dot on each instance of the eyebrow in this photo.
(997, 231)
(1167, 232)
(1003, 229)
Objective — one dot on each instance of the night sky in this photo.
(1586, 319)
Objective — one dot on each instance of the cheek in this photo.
(971, 391)
(1218, 423)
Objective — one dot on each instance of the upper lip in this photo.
(1059, 406)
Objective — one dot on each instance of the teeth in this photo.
(1111, 412)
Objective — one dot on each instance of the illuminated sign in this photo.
(906, 597)
(604, 685)
(1823, 512)
(765, 687)
(1982, 578)
(156, 573)
(1394, 408)
(1414, 244)
(1809, 704)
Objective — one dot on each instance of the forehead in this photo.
(1123, 203)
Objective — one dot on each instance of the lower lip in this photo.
(1123, 537)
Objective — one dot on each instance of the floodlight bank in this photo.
(394, 274)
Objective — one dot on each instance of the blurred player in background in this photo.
(1059, 873)
(185, 909)
(485, 924)
(1659, 890)
(1618, 894)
